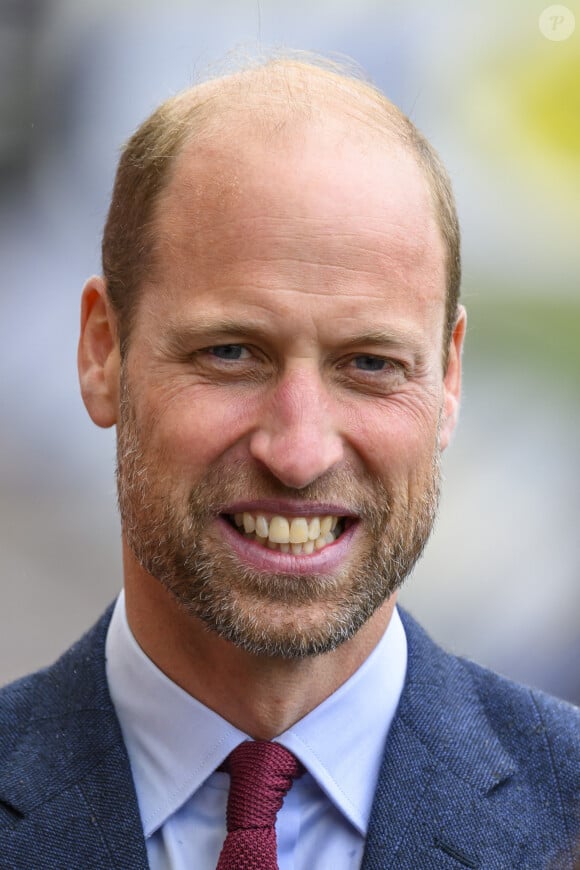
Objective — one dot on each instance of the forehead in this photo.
(309, 162)
(328, 209)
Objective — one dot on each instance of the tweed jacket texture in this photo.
(477, 771)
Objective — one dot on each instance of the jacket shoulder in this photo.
(524, 715)
(492, 768)
(65, 704)
(541, 732)
(60, 687)
(519, 713)
(67, 798)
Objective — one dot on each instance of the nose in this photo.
(297, 438)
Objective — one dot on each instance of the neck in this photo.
(260, 695)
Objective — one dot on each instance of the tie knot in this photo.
(261, 774)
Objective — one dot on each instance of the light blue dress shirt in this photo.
(175, 744)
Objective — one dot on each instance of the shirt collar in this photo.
(341, 742)
(175, 743)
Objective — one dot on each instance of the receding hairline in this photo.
(223, 117)
(266, 98)
(277, 104)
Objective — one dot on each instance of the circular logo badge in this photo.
(557, 23)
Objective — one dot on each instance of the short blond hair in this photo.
(282, 86)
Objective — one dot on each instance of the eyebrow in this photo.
(179, 338)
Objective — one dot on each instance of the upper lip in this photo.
(289, 508)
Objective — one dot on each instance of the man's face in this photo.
(283, 404)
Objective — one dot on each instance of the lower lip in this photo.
(324, 561)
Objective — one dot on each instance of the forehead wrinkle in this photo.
(202, 198)
(268, 238)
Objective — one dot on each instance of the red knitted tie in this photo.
(261, 774)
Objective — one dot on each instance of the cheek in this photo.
(196, 427)
(396, 440)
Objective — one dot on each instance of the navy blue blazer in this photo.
(477, 772)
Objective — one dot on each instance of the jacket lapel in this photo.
(442, 763)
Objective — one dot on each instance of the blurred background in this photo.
(497, 90)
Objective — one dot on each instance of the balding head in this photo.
(274, 101)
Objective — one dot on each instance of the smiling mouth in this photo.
(296, 535)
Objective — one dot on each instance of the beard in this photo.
(177, 541)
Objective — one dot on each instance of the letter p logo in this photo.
(557, 23)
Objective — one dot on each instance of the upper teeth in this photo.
(283, 530)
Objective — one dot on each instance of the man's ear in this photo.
(452, 381)
(99, 360)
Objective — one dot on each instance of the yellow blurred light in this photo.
(523, 113)
(550, 102)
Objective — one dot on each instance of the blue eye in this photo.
(370, 363)
(228, 351)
